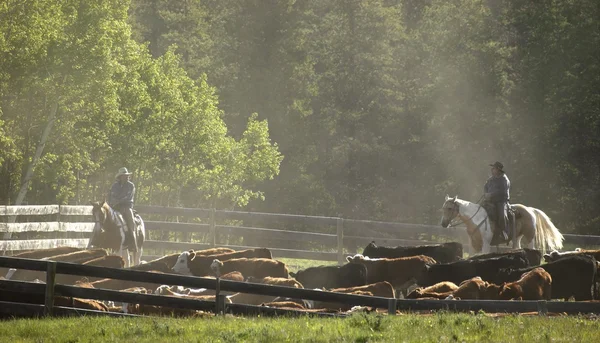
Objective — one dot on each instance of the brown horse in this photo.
(109, 232)
(531, 224)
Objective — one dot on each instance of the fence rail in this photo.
(50, 290)
(334, 236)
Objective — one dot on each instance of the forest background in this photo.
(369, 109)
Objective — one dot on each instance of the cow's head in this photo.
(509, 292)
(182, 266)
(355, 259)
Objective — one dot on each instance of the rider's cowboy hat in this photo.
(122, 171)
(498, 165)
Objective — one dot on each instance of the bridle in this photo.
(456, 210)
(97, 216)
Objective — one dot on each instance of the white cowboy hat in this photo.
(122, 171)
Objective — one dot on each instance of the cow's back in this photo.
(457, 272)
(442, 253)
(571, 276)
(257, 267)
(348, 275)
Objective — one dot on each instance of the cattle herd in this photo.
(421, 272)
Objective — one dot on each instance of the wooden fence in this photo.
(178, 229)
(51, 290)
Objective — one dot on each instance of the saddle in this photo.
(510, 214)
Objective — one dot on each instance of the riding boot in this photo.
(131, 239)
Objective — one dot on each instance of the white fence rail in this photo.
(335, 236)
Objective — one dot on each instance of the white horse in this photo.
(531, 223)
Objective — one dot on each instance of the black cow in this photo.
(555, 255)
(442, 253)
(571, 276)
(533, 256)
(348, 275)
(460, 271)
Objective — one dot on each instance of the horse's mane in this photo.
(464, 202)
(106, 207)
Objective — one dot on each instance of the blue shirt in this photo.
(498, 187)
(121, 194)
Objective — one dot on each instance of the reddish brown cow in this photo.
(41, 253)
(86, 304)
(378, 289)
(78, 256)
(285, 305)
(257, 267)
(533, 285)
(118, 284)
(441, 287)
(171, 259)
(345, 306)
(74, 257)
(201, 265)
(110, 261)
(277, 281)
(474, 288)
(400, 272)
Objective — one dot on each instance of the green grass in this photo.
(295, 264)
(440, 327)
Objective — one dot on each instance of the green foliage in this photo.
(117, 105)
(380, 107)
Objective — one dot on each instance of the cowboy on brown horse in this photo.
(120, 198)
(496, 203)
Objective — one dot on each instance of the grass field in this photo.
(295, 264)
(438, 327)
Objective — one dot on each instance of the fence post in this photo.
(542, 308)
(340, 241)
(213, 228)
(392, 306)
(50, 278)
(219, 299)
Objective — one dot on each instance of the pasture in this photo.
(436, 327)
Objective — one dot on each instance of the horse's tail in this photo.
(546, 234)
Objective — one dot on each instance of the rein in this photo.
(473, 216)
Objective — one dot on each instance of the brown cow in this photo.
(78, 256)
(110, 261)
(345, 306)
(86, 304)
(285, 305)
(250, 299)
(171, 259)
(257, 267)
(474, 288)
(533, 285)
(379, 289)
(201, 265)
(400, 272)
(277, 281)
(119, 284)
(441, 287)
(41, 253)
(74, 257)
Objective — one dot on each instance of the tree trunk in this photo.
(34, 161)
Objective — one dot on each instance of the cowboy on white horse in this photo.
(120, 198)
(497, 196)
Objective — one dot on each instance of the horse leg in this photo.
(124, 253)
(137, 256)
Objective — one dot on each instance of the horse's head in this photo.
(99, 212)
(449, 210)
